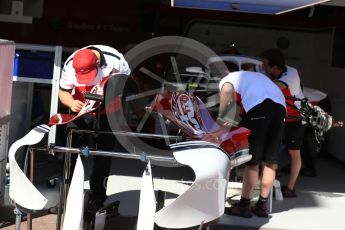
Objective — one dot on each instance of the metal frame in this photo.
(66, 175)
(4, 131)
(236, 159)
(55, 78)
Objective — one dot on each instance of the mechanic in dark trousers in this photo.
(288, 80)
(82, 70)
(263, 105)
(311, 147)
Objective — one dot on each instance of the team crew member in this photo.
(288, 80)
(82, 70)
(310, 146)
(264, 111)
(86, 68)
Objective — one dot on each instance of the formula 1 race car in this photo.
(208, 148)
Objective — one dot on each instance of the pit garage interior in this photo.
(311, 35)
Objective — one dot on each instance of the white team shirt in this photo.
(291, 78)
(252, 88)
(114, 62)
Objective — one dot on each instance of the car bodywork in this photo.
(209, 149)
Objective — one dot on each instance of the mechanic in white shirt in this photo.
(84, 69)
(288, 80)
(263, 113)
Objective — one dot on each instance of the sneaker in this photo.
(261, 210)
(238, 210)
(288, 193)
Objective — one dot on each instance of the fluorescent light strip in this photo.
(225, 6)
(301, 7)
(245, 7)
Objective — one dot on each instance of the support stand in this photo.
(19, 216)
(17, 211)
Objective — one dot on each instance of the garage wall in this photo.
(309, 51)
(252, 40)
(331, 80)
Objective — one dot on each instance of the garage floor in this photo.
(319, 205)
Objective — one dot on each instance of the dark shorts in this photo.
(266, 122)
(293, 135)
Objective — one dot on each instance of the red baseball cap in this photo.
(85, 66)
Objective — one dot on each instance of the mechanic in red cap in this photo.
(85, 65)
(84, 69)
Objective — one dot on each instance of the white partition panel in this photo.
(7, 50)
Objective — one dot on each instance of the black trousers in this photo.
(101, 164)
(310, 148)
(120, 84)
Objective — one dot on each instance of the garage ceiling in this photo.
(248, 6)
